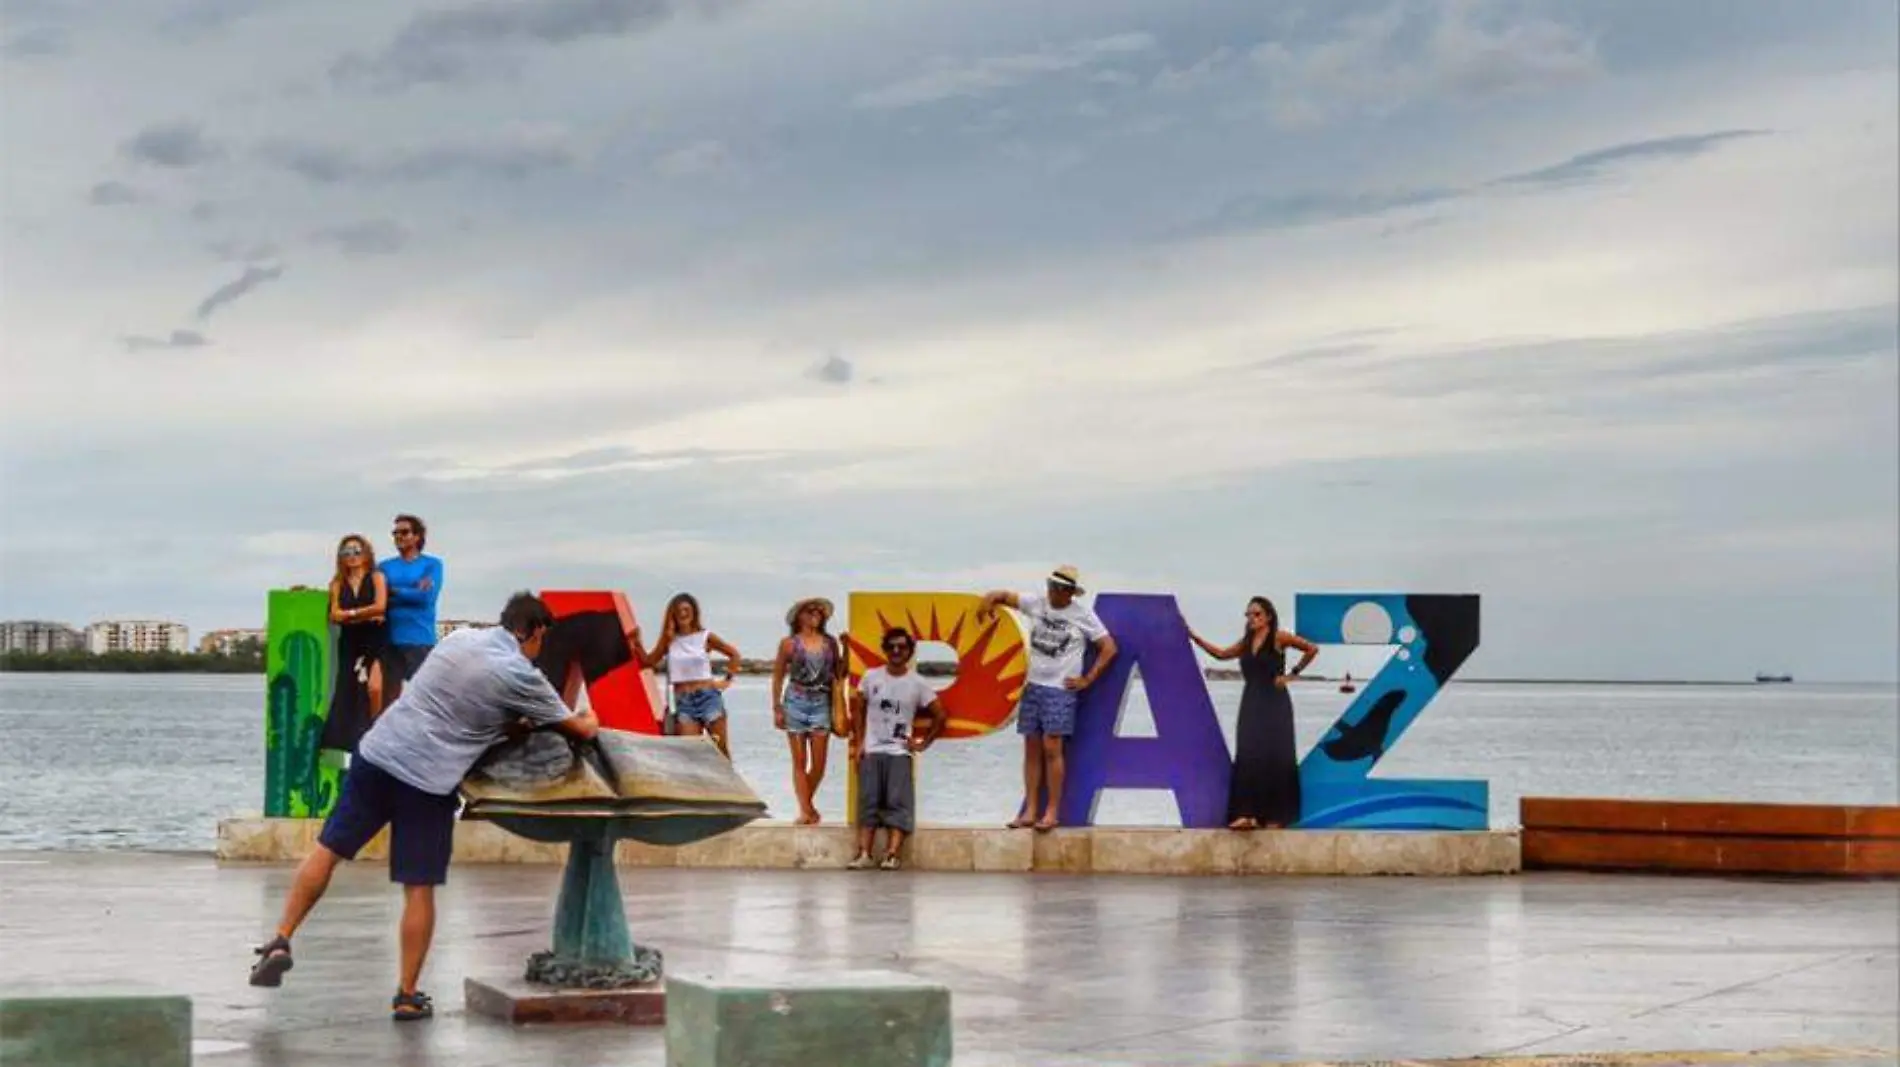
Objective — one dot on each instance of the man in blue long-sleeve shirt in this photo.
(415, 581)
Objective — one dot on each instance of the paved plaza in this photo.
(1045, 970)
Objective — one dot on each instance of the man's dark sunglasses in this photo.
(894, 647)
(402, 531)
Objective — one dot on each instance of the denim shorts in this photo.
(1046, 711)
(703, 706)
(807, 713)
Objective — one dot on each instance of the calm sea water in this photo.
(153, 761)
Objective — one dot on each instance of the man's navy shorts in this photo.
(421, 825)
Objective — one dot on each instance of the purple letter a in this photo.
(1187, 754)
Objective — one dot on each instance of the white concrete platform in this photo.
(1084, 850)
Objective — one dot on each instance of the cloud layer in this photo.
(1585, 308)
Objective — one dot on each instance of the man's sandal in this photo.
(408, 1007)
(273, 960)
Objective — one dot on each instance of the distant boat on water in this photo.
(1346, 686)
(1763, 679)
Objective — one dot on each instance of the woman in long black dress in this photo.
(359, 598)
(1266, 782)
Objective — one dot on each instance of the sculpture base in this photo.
(516, 1001)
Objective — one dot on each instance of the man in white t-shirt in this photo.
(884, 733)
(1061, 628)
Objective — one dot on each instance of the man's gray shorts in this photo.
(886, 795)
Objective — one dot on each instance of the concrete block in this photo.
(863, 1018)
(94, 1028)
(942, 848)
(1002, 850)
(1064, 851)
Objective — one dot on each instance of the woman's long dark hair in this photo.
(1273, 625)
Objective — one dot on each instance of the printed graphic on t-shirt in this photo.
(891, 705)
(1052, 635)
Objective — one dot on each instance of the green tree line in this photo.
(247, 659)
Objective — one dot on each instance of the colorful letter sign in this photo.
(1187, 755)
(1434, 635)
(587, 647)
(991, 661)
(298, 667)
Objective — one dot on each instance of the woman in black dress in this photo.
(359, 597)
(1266, 783)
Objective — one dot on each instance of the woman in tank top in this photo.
(805, 674)
(359, 596)
(686, 648)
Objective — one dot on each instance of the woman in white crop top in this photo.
(686, 648)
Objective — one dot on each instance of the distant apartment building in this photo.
(40, 638)
(137, 635)
(228, 642)
(445, 627)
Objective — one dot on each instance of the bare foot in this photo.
(1047, 823)
(1238, 824)
(806, 818)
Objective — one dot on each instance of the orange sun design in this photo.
(991, 661)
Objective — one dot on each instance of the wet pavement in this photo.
(1045, 970)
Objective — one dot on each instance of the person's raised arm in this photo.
(995, 599)
(1308, 650)
(1230, 652)
(719, 645)
(657, 654)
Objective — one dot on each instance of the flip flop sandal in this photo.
(408, 1007)
(273, 960)
(892, 863)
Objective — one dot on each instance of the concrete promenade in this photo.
(1046, 970)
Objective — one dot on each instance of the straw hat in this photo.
(791, 617)
(1067, 575)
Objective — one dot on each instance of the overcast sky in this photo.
(1587, 307)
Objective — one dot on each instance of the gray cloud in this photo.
(948, 81)
(241, 251)
(474, 41)
(1276, 211)
(112, 194)
(204, 211)
(371, 237)
(835, 369)
(234, 290)
(513, 158)
(1592, 166)
(176, 339)
(39, 42)
(172, 144)
(1267, 211)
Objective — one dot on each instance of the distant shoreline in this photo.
(197, 663)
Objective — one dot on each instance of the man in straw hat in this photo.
(1061, 628)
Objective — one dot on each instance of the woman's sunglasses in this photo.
(350, 553)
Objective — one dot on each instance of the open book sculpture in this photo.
(657, 790)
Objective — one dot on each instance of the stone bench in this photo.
(94, 1028)
(863, 1018)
